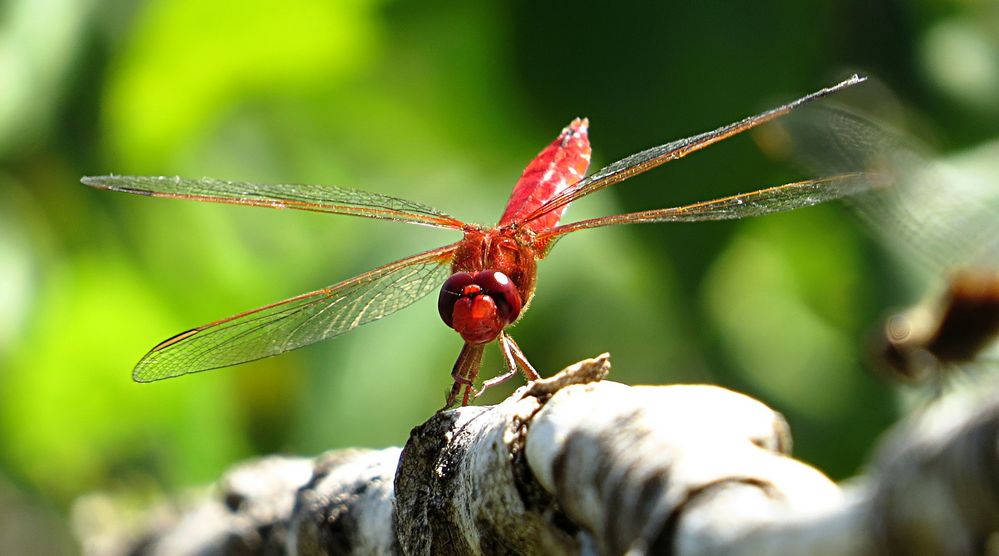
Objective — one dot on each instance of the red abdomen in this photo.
(554, 170)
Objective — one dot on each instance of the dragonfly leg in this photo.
(514, 359)
(511, 365)
(464, 372)
(529, 372)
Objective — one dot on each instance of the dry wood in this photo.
(577, 465)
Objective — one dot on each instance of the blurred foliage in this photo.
(443, 103)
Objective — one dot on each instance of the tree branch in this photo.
(576, 465)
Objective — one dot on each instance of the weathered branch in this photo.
(576, 465)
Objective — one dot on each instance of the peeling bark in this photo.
(577, 465)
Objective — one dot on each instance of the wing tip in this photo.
(140, 378)
(122, 183)
(854, 79)
(143, 374)
(146, 371)
(96, 181)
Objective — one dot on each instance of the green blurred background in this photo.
(443, 103)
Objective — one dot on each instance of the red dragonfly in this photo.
(488, 276)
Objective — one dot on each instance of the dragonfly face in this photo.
(489, 275)
(480, 305)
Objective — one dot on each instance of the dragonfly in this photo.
(940, 219)
(485, 280)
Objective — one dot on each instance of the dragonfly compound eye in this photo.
(479, 305)
(451, 291)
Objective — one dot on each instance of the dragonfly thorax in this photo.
(479, 305)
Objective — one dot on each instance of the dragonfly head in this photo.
(479, 305)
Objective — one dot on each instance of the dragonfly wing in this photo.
(938, 213)
(781, 198)
(299, 321)
(316, 198)
(656, 156)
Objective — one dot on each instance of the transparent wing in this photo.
(655, 156)
(937, 212)
(315, 198)
(765, 201)
(298, 321)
